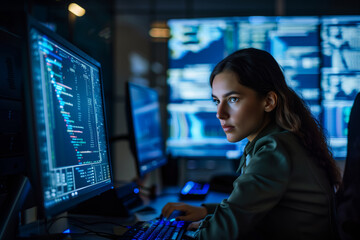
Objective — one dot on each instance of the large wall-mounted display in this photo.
(320, 57)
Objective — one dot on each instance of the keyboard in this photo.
(157, 229)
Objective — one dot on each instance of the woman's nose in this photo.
(222, 112)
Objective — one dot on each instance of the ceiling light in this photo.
(76, 9)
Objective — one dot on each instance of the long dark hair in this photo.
(258, 70)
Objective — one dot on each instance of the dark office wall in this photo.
(164, 9)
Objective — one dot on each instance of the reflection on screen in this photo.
(312, 51)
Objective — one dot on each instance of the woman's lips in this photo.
(227, 128)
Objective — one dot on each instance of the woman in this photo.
(288, 175)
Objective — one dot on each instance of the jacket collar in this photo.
(270, 128)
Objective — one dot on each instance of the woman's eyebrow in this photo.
(227, 94)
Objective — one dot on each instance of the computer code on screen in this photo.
(69, 120)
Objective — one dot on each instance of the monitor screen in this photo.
(145, 129)
(311, 50)
(295, 44)
(68, 122)
(340, 80)
(195, 47)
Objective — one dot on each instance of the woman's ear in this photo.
(270, 101)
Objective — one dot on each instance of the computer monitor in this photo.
(340, 79)
(319, 57)
(68, 143)
(195, 47)
(145, 129)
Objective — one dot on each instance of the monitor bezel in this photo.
(131, 130)
(34, 170)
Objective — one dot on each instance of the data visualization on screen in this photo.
(69, 119)
(145, 129)
(340, 79)
(195, 48)
(318, 55)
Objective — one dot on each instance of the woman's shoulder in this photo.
(278, 140)
(274, 134)
(268, 151)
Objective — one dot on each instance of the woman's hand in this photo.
(192, 213)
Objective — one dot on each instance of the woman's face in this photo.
(240, 109)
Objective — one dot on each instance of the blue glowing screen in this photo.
(145, 128)
(69, 120)
(320, 57)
